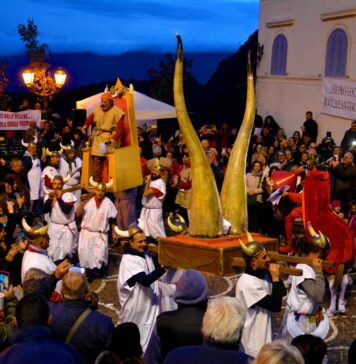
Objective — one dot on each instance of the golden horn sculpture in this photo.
(233, 192)
(206, 217)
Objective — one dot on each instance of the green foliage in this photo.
(38, 54)
(161, 80)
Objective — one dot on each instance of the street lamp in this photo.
(40, 81)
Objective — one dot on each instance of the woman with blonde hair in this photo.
(279, 352)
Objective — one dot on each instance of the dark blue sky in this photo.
(115, 26)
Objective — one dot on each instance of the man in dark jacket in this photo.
(349, 138)
(183, 326)
(34, 342)
(94, 333)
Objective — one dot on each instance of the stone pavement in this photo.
(343, 327)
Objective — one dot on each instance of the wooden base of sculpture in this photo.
(212, 256)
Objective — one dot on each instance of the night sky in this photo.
(116, 26)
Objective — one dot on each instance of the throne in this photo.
(124, 166)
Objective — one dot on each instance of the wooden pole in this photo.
(240, 262)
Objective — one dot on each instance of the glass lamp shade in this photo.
(60, 77)
(28, 77)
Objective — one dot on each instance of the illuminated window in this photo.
(336, 54)
(279, 55)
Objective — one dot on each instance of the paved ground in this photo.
(343, 327)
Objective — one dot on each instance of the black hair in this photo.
(32, 310)
(126, 341)
(313, 348)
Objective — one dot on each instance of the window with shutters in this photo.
(279, 55)
(336, 54)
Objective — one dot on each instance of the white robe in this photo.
(34, 177)
(257, 329)
(62, 230)
(151, 213)
(138, 304)
(74, 169)
(93, 238)
(299, 301)
(36, 260)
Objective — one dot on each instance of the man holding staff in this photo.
(261, 290)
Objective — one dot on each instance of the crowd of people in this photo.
(55, 241)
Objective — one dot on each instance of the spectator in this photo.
(310, 127)
(34, 342)
(125, 346)
(94, 332)
(180, 327)
(345, 173)
(352, 353)
(297, 138)
(222, 326)
(279, 352)
(349, 138)
(313, 348)
(271, 124)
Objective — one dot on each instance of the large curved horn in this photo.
(205, 217)
(140, 224)
(176, 228)
(64, 147)
(24, 144)
(60, 151)
(121, 233)
(25, 225)
(92, 182)
(246, 250)
(72, 144)
(249, 236)
(67, 178)
(41, 231)
(323, 242)
(311, 230)
(235, 209)
(48, 152)
(35, 140)
(50, 176)
(110, 183)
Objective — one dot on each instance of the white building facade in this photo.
(306, 43)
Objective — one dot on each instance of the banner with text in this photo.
(339, 98)
(19, 120)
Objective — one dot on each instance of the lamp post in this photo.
(40, 81)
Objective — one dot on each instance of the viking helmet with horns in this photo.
(252, 248)
(318, 240)
(33, 232)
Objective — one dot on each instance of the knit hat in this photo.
(191, 288)
(335, 203)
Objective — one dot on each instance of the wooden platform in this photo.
(211, 256)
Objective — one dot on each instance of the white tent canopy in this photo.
(146, 108)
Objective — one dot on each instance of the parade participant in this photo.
(261, 290)
(182, 181)
(109, 122)
(33, 171)
(51, 170)
(98, 214)
(304, 314)
(71, 165)
(62, 229)
(138, 287)
(152, 201)
(36, 255)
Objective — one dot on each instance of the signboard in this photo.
(339, 98)
(19, 120)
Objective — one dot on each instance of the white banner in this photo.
(339, 98)
(19, 120)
